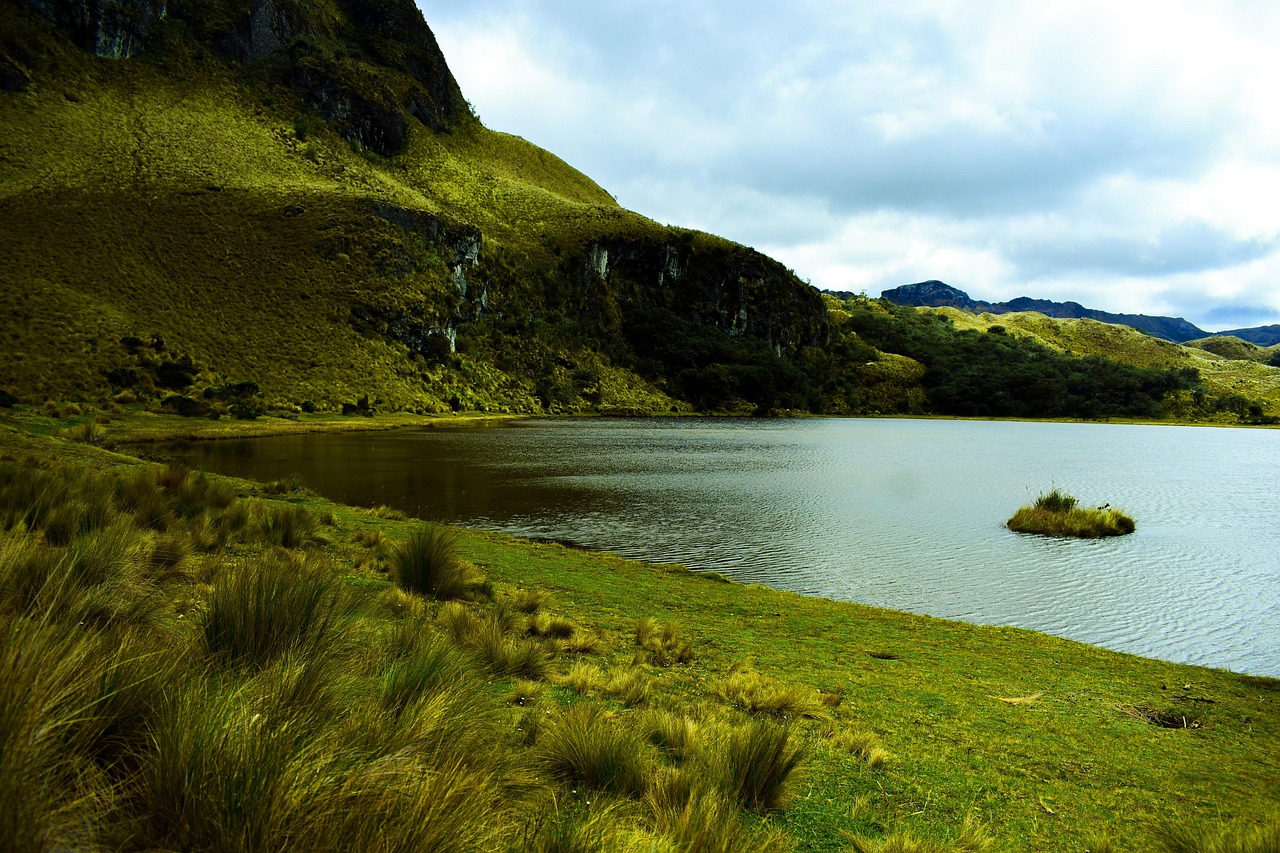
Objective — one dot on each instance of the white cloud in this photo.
(1126, 156)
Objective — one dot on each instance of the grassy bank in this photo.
(195, 662)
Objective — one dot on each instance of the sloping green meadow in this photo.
(156, 696)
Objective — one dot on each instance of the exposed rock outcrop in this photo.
(110, 28)
(733, 288)
(365, 66)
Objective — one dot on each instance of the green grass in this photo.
(1055, 513)
(258, 696)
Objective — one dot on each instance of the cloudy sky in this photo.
(1125, 155)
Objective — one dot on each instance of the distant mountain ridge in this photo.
(937, 294)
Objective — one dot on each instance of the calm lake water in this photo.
(905, 514)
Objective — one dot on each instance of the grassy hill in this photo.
(1234, 374)
(275, 207)
(215, 205)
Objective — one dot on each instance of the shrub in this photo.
(428, 564)
(584, 744)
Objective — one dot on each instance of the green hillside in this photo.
(235, 208)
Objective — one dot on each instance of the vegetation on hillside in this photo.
(199, 228)
(994, 374)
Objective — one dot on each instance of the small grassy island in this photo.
(1056, 513)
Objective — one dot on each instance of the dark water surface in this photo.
(905, 514)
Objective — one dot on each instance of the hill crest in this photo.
(937, 294)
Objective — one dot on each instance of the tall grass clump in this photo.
(428, 563)
(1056, 513)
(707, 823)
(664, 644)
(756, 762)
(47, 799)
(757, 694)
(224, 774)
(289, 526)
(585, 744)
(1186, 838)
(262, 611)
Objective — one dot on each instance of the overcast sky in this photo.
(1124, 154)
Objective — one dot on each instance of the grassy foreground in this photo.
(193, 662)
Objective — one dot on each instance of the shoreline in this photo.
(142, 429)
(1000, 723)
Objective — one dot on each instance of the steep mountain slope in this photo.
(294, 194)
(235, 206)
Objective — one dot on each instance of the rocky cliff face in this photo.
(731, 288)
(112, 28)
(367, 67)
(409, 277)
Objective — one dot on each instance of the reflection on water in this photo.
(895, 513)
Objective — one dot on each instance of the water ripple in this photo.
(899, 514)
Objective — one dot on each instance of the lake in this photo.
(896, 513)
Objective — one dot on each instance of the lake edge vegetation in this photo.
(1056, 513)
(653, 706)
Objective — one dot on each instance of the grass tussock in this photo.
(863, 744)
(971, 838)
(428, 564)
(585, 744)
(289, 526)
(708, 823)
(1263, 837)
(1055, 513)
(755, 763)
(262, 611)
(664, 645)
(748, 689)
